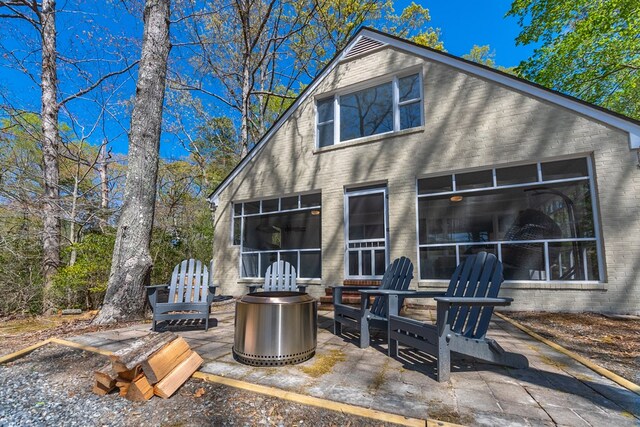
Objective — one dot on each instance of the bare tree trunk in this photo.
(104, 185)
(50, 208)
(132, 262)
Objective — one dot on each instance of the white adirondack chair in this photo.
(280, 276)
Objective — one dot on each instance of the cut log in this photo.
(169, 384)
(129, 375)
(128, 358)
(123, 386)
(162, 362)
(106, 376)
(101, 390)
(139, 389)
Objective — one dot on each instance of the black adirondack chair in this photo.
(463, 316)
(396, 278)
(190, 294)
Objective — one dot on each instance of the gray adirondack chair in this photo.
(396, 278)
(191, 293)
(463, 315)
(280, 276)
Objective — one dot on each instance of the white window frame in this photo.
(366, 192)
(497, 243)
(279, 252)
(395, 99)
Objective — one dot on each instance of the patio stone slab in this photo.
(555, 390)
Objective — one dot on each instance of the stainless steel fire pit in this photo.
(275, 328)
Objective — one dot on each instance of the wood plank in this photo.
(101, 390)
(164, 360)
(172, 382)
(131, 356)
(123, 386)
(139, 390)
(129, 375)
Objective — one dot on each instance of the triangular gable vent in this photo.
(363, 45)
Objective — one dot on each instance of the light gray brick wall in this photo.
(470, 123)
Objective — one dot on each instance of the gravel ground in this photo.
(52, 387)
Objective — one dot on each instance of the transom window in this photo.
(284, 228)
(538, 219)
(387, 107)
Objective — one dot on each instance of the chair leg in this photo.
(206, 323)
(364, 333)
(392, 351)
(153, 325)
(337, 327)
(444, 358)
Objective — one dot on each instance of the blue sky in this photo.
(463, 23)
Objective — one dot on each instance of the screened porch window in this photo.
(286, 228)
(538, 219)
(387, 107)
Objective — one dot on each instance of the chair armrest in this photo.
(166, 285)
(337, 291)
(474, 301)
(408, 294)
(253, 288)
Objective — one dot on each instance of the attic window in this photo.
(393, 105)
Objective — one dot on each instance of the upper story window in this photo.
(387, 107)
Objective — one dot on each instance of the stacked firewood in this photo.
(156, 364)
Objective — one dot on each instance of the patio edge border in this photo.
(256, 388)
(583, 360)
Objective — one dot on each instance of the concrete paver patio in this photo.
(555, 390)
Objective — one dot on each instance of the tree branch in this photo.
(97, 83)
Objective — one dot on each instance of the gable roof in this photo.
(367, 40)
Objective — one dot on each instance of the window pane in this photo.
(468, 250)
(523, 261)
(310, 265)
(471, 180)
(251, 208)
(325, 135)
(410, 115)
(237, 222)
(366, 217)
(325, 110)
(266, 259)
(250, 265)
(353, 263)
(573, 261)
(437, 263)
(270, 205)
(409, 87)
(289, 203)
(291, 258)
(438, 184)
(366, 263)
(308, 200)
(517, 175)
(237, 209)
(534, 213)
(366, 112)
(381, 263)
(289, 230)
(564, 169)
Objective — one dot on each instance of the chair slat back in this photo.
(189, 282)
(397, 277)
(479, 276)
(280, 276)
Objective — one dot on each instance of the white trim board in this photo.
(611, 119)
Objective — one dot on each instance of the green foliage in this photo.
(82, 285)
(485, 56)
(589, 49)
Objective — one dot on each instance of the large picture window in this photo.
(286, 228)
(538, 219)
(387, 107)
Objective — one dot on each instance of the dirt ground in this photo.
(611, 342)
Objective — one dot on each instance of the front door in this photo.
(366, 236)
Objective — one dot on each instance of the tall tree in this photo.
(588, 49)
(41, 16)
(131, 262)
